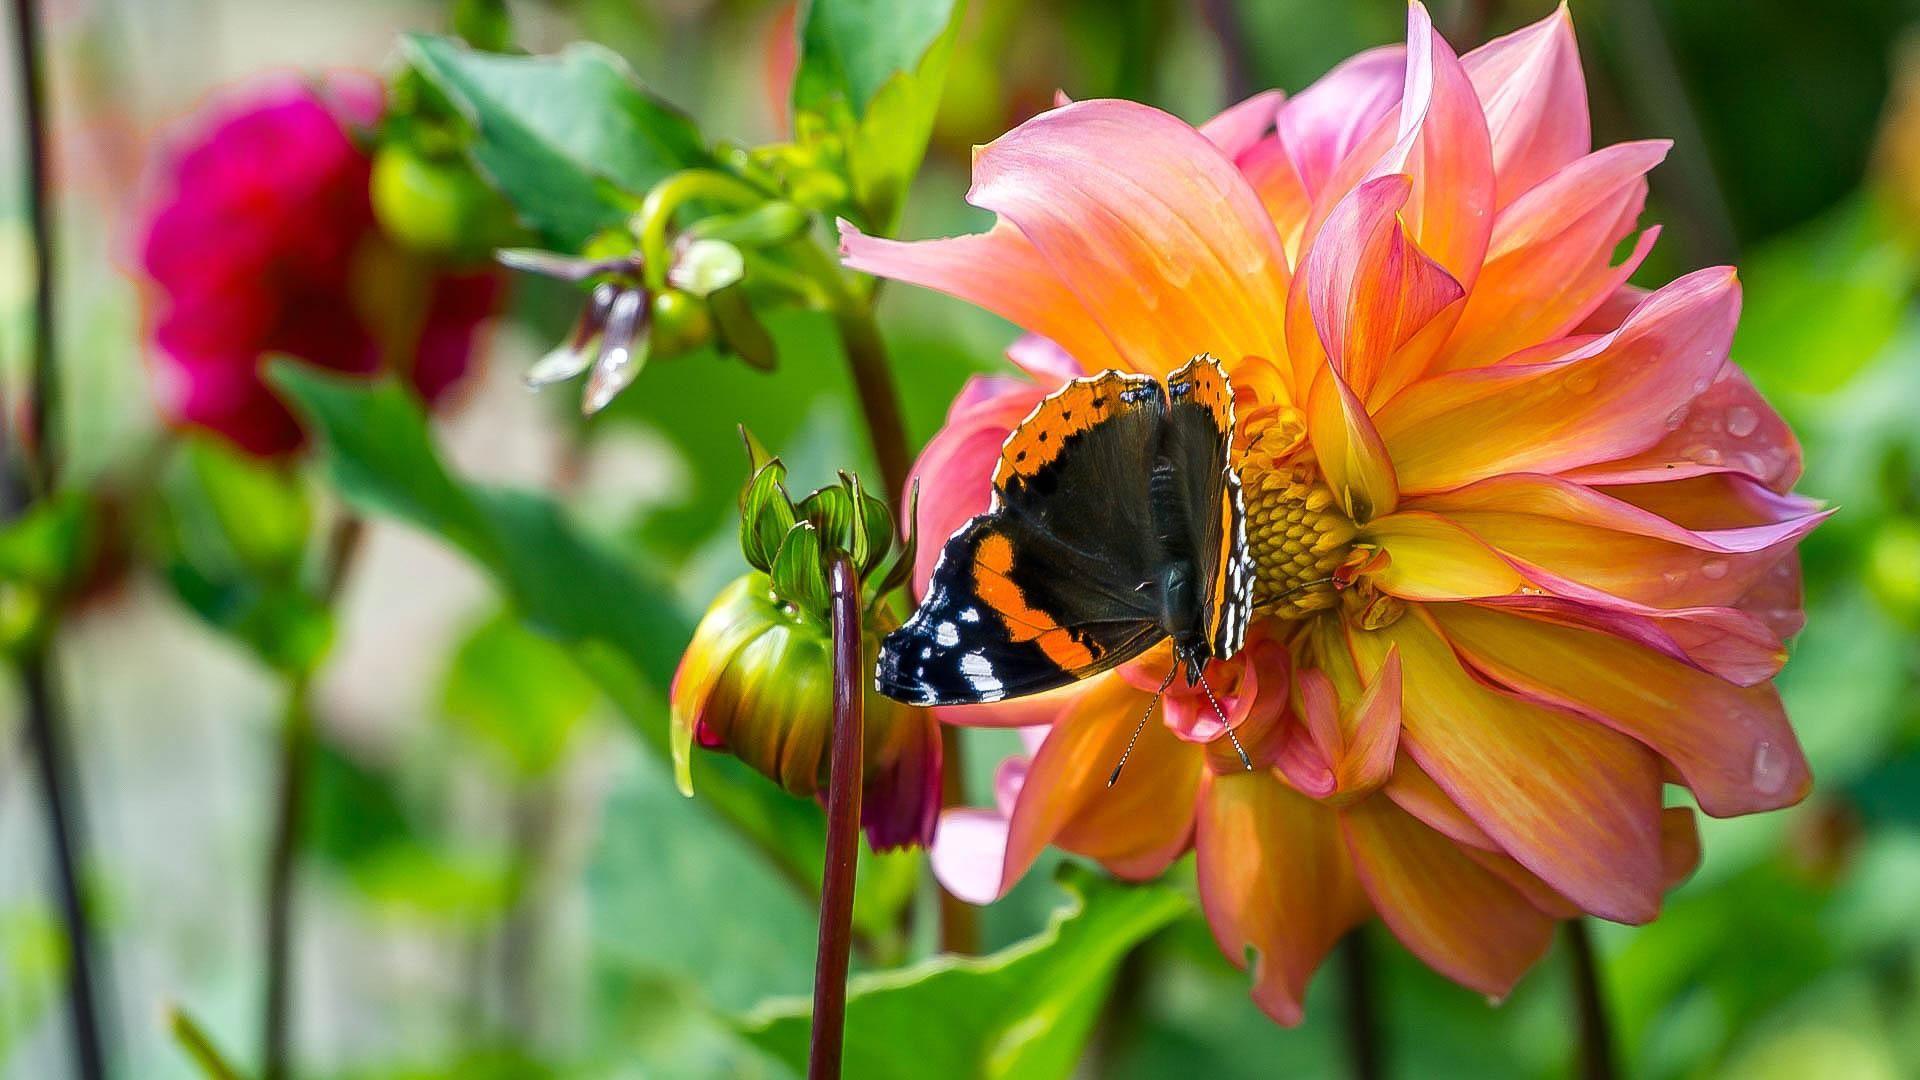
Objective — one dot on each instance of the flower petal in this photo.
(1722, 641)
(1608, 399)
(1459, 917)
(955, 470)
(1412, 790)
(1588, 545)
(1323, 124)
(1535, 97)
(998, 270)
(1274, 877)
(1352, 458)
(1432, 558)
(969, 854)
(1728, 428)
(1364, 290)
(1731, 745)
(1240, 126)
(1148, 224)
(1572, 801)
(1550, 262)
(1137, 827)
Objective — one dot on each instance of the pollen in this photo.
(1296, 532)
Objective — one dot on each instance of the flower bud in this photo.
(757, 681)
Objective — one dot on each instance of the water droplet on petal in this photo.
(1714, 569)
(1675, 417)
(1742, 421)
(1769, 768)
(1674, 578)
(1581, 379)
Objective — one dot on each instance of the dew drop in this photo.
(1674, 578)
(1581, 379)
(1713, 569)
(1675, 417)
(1769, 768)
(1742, 421)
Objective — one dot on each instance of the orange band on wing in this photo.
(992, 562)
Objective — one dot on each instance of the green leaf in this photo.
(518, 694)
(799, 571)
(564, 136)
(1023, 1012)
(45, 546)
(622, 626)
(871, 71)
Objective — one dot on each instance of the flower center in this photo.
(1296, 531)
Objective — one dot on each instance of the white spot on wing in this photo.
(979, 674)
(946, 635)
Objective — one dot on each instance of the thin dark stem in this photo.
(879, 400)
(289, 813)
(843, 825)
(1365, 1040)
(38, 437)
(198, 1045)
(297, 742)
(35, 472)
(46, 731)
(1596, 1031)
(1223, 17)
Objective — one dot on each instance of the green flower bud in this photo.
(681, 323)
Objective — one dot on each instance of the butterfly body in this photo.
(1116, 523)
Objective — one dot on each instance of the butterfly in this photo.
(1116, 523)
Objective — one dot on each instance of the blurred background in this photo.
(497, 876)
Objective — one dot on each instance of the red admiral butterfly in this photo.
(1116, 523)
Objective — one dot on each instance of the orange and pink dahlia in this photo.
(1525, 539)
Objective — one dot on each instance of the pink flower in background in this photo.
(259, 239)
(1524, 538)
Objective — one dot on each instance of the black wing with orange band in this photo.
(1057, 581)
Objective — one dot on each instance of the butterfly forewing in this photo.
(1199, 445)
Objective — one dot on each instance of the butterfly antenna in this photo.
(1222, 713)
(1114, 777)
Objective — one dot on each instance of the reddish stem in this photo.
(1596, 1032)
(843, 825)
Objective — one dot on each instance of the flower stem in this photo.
(35, 473)
(1596, 1031)
(296, 756)
(879, 400)
(1365, 1042)
(843, 824)
(297, 742)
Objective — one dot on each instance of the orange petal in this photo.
(1574, 802)
(1459, 917)
(1412, 790)
(1605, 400)
(998, 270)
(1149, 224)
(1732, 745)
(1352, 458)
(1432, 558)
(1138, 826)
(1588, 545)
(1729, 428)
(1372, 734)
(1274, 877)
(1679, 844)
(1550, 263)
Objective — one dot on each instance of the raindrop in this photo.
(1675, 417)
(1742, 421)
(1674, 578)
(1714, 569)
(1769, 768)
(1581, 379)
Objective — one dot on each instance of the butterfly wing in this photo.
(1057, 580)
(1199, 506)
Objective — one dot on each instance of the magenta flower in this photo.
(258, 239)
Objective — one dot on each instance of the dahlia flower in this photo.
(259, 238)
(1524, 537)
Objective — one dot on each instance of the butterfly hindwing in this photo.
(1057, 580)
(1001, 619)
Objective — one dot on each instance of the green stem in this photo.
(1596, 1031)
(196, 1043)
(656, 212)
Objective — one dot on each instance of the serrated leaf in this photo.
(563, 136)
(767, 514)
(1023, 1012)
(872, 71)
(799, 570)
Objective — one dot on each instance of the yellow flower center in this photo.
(1296, 531)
